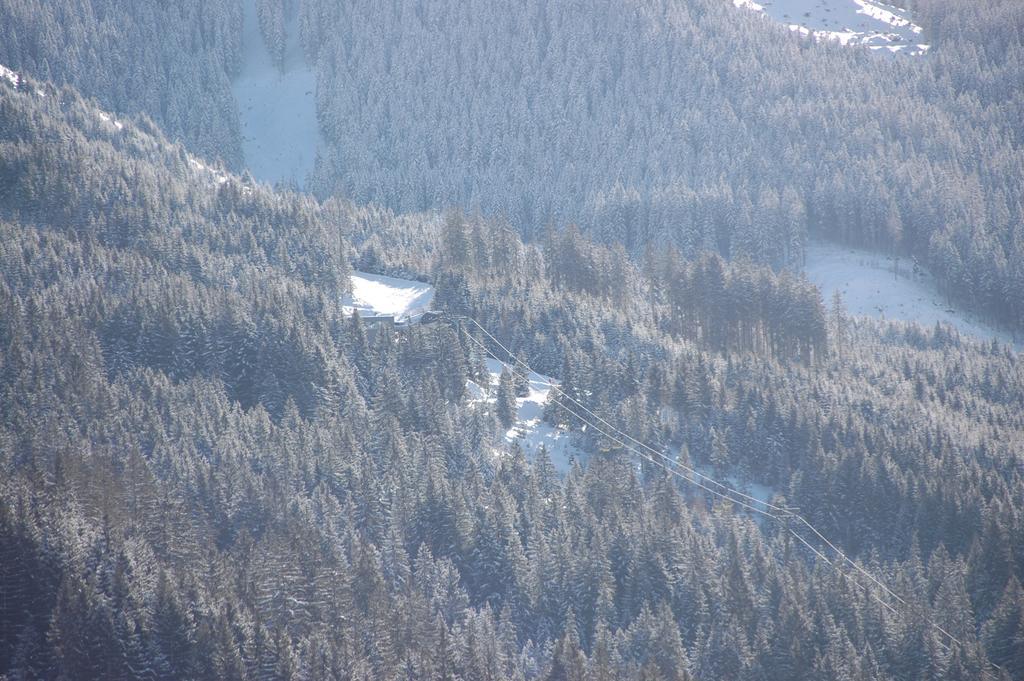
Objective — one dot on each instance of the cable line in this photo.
(778, 513)
(622, 444)
(626, 436)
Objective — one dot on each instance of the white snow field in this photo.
(850, 22)
(280, 134)
(870, 289)
(530, 430)
(375, 294)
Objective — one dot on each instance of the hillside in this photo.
(693, 123)
(212, 469)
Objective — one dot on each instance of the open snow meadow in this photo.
(280, 134)
(850, 22)
(376, 294)
(870, 288)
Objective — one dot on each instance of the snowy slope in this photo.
(280, 134)
(375, 294)
(850, 22)
(870, 289)
(530, 430)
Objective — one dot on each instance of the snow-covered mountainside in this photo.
(850, 22)
(870, 288)
(375, 294)
(530, 430)
(280, 134)
(404, 299)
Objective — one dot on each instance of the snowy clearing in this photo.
(530, 430)
(850, 22)
(280, 133)
(375, 294)
(870, 289)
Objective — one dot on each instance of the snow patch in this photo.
(531, 431)
(10, 76)
(870, 23)
(375, 294)
(280, 132)
(869, 288)
(217, 176)
(886, 15)
(475, 392)
(107, 118)
(751, 494)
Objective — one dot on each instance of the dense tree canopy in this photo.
(209, 470)
(646, 122)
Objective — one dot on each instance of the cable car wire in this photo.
(775, 512)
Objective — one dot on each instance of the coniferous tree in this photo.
(505, 402)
